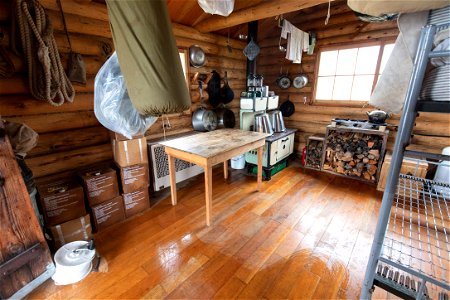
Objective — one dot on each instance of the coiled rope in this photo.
(47, 79)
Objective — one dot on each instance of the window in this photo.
(351, 73)
(184, 63)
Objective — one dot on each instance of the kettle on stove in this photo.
(378, 116)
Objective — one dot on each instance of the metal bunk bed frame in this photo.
(423, 251)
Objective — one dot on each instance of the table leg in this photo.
(260, 158)
(225, 169)
(173, 181)
(208, 194)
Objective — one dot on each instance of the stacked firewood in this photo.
(353, 154)
(314, 154)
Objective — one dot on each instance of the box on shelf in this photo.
(108, 213)
(119, 137)
(414, 167)
(136, 202)
(61, 200)
(130, 152)
(134, 177)
(100, 184)
(74, 230)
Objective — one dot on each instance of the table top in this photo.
(212, 143)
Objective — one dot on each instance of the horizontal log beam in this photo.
(186, 31)
(261, 11)
(70, 139)
(26, 105)
(18, 84)
(57, 121)
(69, 160)
(92, 10)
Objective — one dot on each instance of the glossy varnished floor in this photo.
(305, 235)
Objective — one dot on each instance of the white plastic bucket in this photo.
(238, 162)
(443, 175)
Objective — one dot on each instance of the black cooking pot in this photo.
(225, 118)
(377, 116)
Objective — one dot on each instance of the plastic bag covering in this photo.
(217, 7)
(112, 105)
(148, 56)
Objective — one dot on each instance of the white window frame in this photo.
(377, 74)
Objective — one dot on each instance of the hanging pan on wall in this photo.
(203, 119)
(287, 108)
(196, 56)
(283, 82)
(301, 80)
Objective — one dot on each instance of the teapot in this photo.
(378, 116)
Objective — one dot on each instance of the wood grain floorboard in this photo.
(305, 235)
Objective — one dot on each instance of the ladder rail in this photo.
(405, 130)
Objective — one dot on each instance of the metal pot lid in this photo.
(196, 56)
(284, 82)
(300, 81)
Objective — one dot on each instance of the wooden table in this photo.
(209, 149)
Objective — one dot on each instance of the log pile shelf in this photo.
(354, 152)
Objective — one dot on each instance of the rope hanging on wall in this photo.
(47, 79)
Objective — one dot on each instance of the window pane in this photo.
(362, 87)
(367, 60)
(325, 88)
(386, 54)
(328, 63)
(342, 87)
(346, 61)
(183, 62)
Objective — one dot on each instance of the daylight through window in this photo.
(350, 73)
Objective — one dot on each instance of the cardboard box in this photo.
(134, 178)
(136, 202)
(130, 152)
(61, 200)
(108, 213)
(100, 184)
(74, 230)
(119, 137)
(417, 168)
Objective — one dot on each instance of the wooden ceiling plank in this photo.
(261, 11)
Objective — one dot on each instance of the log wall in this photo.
(432, 131)
(70, 136)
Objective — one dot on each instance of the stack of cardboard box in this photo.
(102, 193)
(131, 159)
(62, 203)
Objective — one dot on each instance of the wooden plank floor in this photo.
(305, 235)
